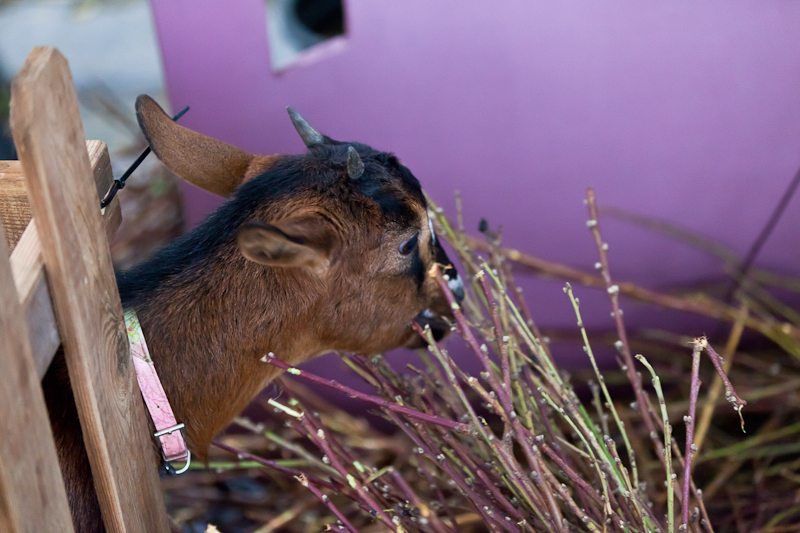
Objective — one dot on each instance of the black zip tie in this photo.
(119, 183)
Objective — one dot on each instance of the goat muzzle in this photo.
(439, 317)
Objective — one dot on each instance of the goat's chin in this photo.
(439, 327)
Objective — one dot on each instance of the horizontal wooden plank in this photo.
(15, 211)
(27, 266)
(48, 134)
(32, 495)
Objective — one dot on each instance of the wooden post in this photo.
(15, 210)
(48, 133)
(32, 495)
(27, 263)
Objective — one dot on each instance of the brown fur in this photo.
(206, 162)
(307, 275)
(260, 164)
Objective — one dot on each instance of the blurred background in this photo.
(113, 54)
(683, 117)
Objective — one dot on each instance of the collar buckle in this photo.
(182, 454)
(169, 434)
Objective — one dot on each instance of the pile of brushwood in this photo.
(522, 446)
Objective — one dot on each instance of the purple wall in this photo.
(683, 111)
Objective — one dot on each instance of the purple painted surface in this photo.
(688, 112)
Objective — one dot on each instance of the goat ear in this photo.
(208, 163)
(304, 241)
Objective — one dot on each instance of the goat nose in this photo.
(450, 273)
(457, 287)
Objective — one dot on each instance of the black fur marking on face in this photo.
(394, 210)
(383, 172)
(417, 268)
(441, 258)
(382, 190)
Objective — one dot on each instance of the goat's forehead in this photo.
(316, 178)
(393, 189)
(398, 206)
(382, 167)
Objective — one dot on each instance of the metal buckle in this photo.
(167, 431)
(185, 467)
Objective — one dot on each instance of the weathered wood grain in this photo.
(49, 137)
(32, 495)
(15, 211)
(27, 265)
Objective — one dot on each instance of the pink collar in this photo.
(168, 432)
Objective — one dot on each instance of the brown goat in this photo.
(328, 250)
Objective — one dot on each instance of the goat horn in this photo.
(355, 167)
(310, 136)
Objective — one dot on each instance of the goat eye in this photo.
(408, 246)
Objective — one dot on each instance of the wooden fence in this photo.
(58, 288)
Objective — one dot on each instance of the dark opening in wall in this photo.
(295, 26)
(323, 17)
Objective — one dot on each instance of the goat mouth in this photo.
(439, 325)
